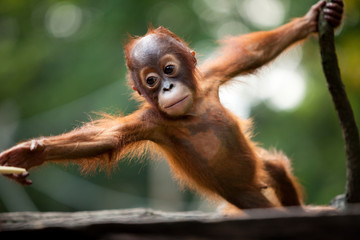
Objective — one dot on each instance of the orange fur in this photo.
(208, 148)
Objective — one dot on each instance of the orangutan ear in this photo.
(135, 89)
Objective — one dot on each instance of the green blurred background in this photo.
(61, 61)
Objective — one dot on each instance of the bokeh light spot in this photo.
(63, 19)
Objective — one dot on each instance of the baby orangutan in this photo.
(207, 147)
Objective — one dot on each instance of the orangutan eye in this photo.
(151, 81)
(169, 69)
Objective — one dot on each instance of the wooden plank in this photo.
(146, 224)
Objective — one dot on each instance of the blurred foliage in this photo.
(63, 60)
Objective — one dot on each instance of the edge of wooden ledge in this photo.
(258, 224)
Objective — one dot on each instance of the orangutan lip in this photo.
(181, 100)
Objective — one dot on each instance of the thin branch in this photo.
(343, 109)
